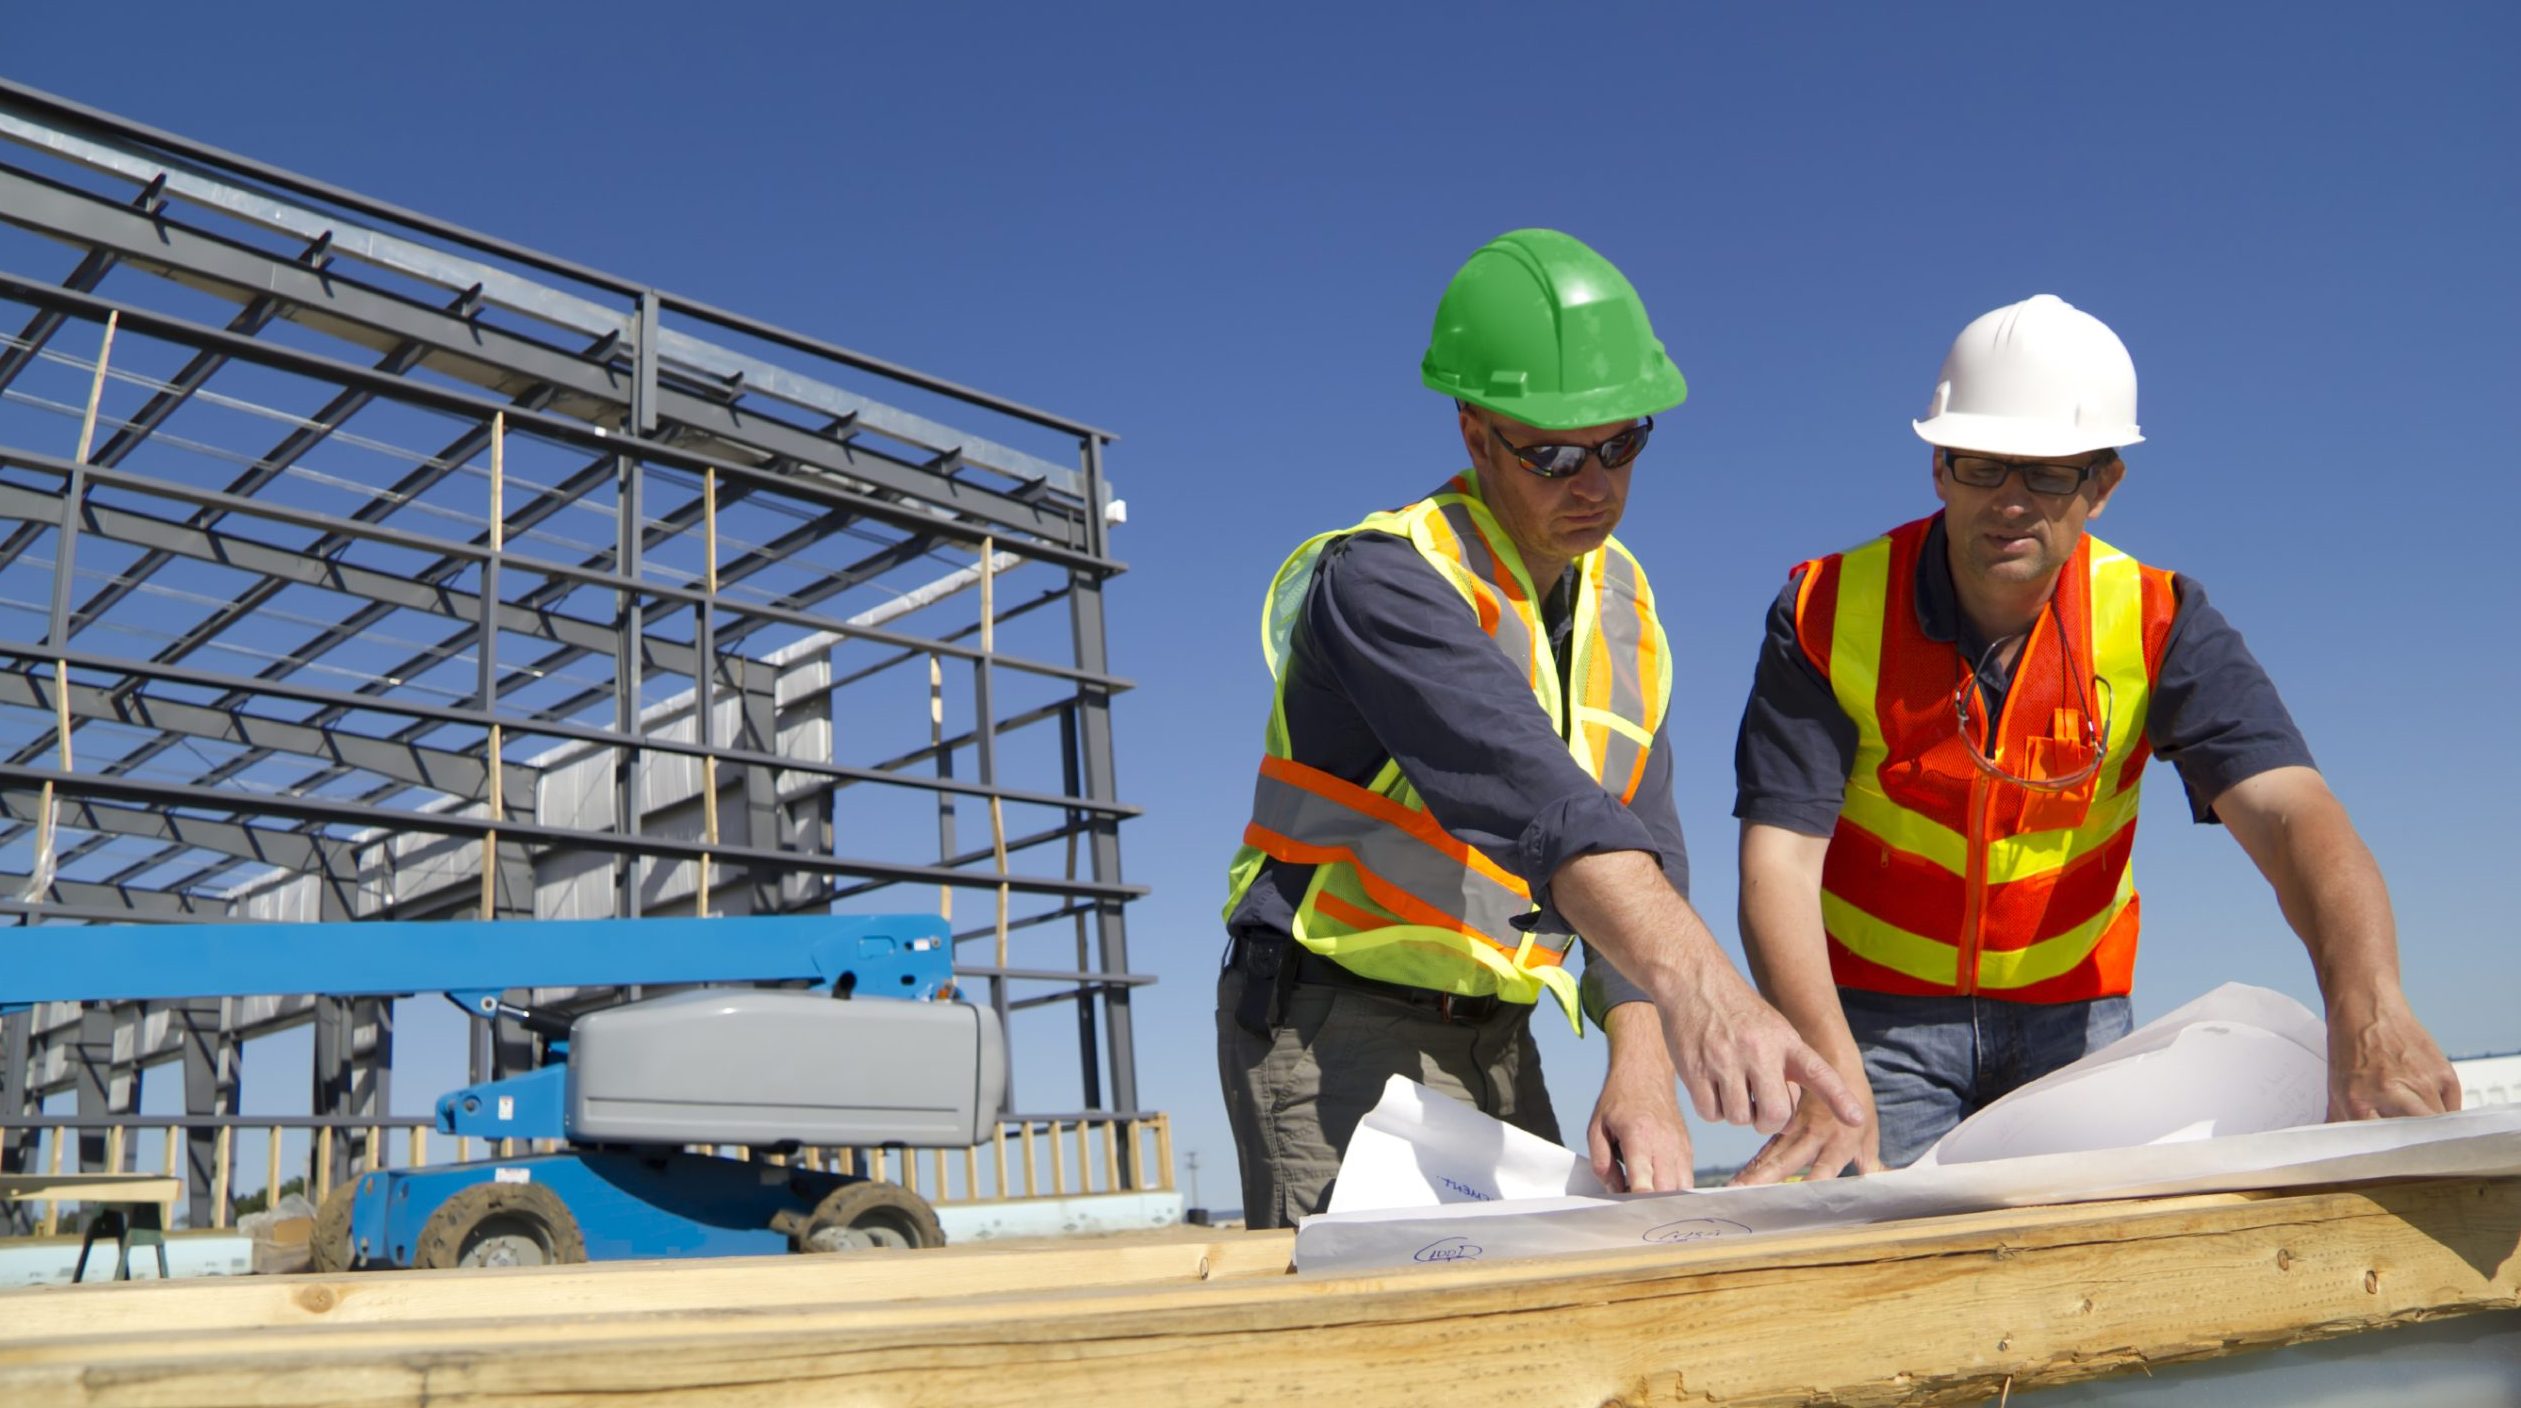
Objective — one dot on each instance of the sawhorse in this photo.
(125, 1206)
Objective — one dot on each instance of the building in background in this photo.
(355, 565)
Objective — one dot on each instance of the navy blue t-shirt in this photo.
(1386, 661)
(2214, 714)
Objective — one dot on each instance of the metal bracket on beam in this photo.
(731, 386)
(947, 462)
(468, 303)
(319, 253)
(152, 197)
(604, 347)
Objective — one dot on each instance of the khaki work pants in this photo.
(1295, 1099)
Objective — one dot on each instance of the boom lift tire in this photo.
(870, 1213)
(500, 1224)
(328, 1245)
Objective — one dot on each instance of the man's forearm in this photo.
(1783, 937)
(1623, 905)
(2329, 887)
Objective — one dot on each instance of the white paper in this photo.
(1418, 1148)
(2240, 1060)
(2220, 1095)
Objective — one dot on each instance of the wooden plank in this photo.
(1918, 1314)
(91, 1187)
(411, 1297)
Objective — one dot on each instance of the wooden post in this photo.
(1111, 1156)
(1030, 1187)
(1058, 1163)
(64, 567)
(971, 1174)
(417, 1155)
(998, 1142)
(114, 1149)
(320, 1186)
(271, 1169)
(222, 1173)
(175, 1170)
(705, 691)
(1085, 1160)
(490, 622)
(52, 1209)
(1164, 1150)
(988, 648)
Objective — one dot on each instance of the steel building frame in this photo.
(296, 626)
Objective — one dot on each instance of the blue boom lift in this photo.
(866, 1048)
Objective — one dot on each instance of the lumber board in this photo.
(90, 1187)
(1916, 1313)
(599, 1288)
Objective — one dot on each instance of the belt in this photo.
(1438, 1006)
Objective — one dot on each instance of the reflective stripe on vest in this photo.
(1394, 896)
(1939, 878)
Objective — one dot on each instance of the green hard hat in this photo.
(1539, 327)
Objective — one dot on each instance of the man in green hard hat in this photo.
(1466, 768)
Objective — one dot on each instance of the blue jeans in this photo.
(1935, 1061)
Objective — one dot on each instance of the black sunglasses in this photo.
(2053, 480)
(1558, 461)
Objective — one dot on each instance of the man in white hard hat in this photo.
(1939, 766)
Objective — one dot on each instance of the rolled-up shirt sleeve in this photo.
(1444, 703)
(1795, 747)
(2215, 715)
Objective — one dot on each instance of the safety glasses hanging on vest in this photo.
(2095, 738)
(1554, 461)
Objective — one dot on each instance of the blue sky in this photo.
(1223, 237)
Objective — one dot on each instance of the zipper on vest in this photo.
(1974, 885)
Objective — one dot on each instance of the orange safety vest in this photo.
(1940, 878)
(1394, 896)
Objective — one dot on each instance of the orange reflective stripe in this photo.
(1420, 826)
(1399, 901)
(1482, 604)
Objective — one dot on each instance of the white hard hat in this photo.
(2039, 378)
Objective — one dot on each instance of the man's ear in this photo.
(2105, 484)
(1934, 473)
(1474, 432)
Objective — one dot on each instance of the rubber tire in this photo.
(328, 1246)
(872, 1203)
(526, 1207)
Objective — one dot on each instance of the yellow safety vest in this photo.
(1394, 896)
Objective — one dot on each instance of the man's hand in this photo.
(1638, 1139)
(1815, 1139)
(2381, 1061)
(1740, 1060)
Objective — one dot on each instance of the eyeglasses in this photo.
(2039, 476)
(1553, 461)
(2096, 745)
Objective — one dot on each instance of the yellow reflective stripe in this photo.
(1626, 728)
(1927, 960)
(1855, 650)
(1399, 953)
(1905, 830)
(2118, 650)
(2058, 954)
(2037, 853)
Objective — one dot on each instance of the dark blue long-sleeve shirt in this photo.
(1386, 661)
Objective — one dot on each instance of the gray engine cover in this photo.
(751, 1066)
